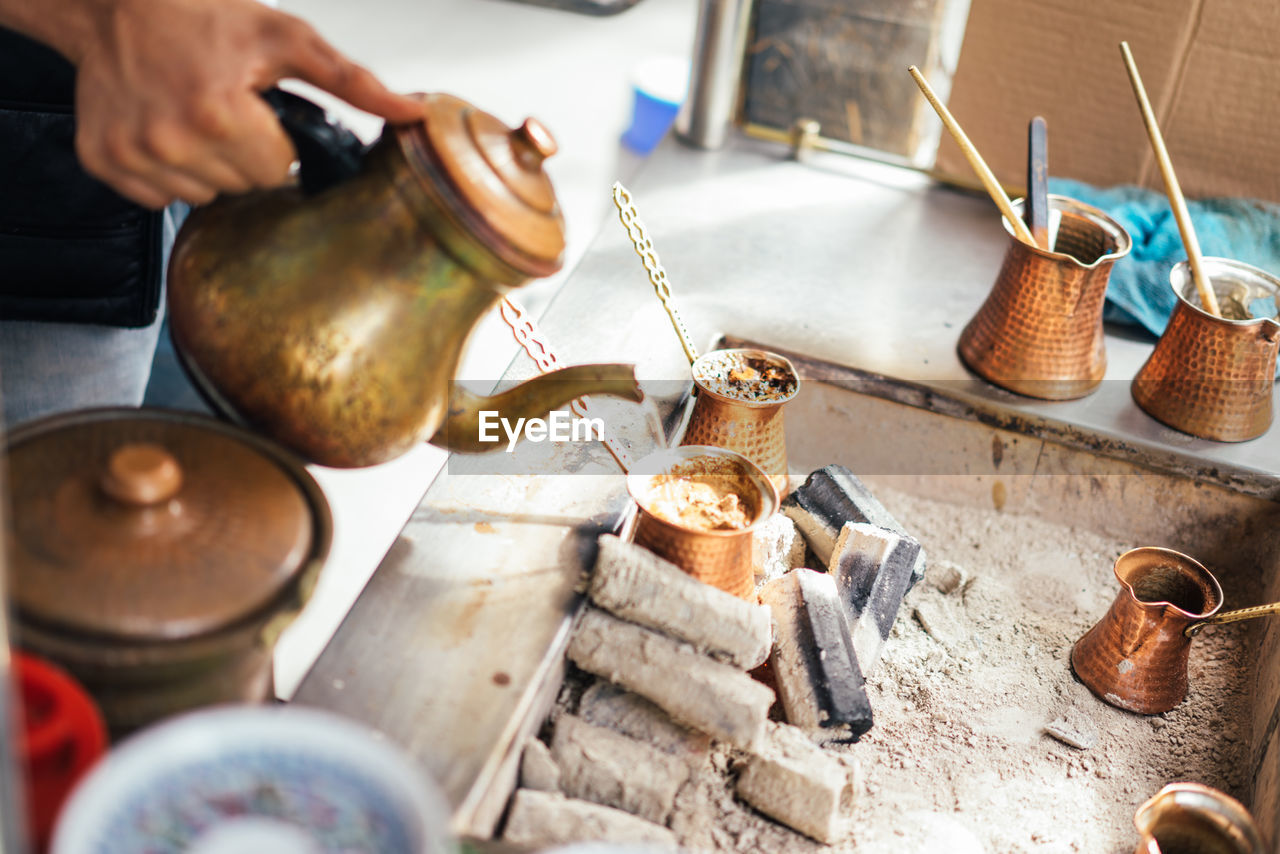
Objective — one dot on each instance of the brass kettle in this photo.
(330, 315)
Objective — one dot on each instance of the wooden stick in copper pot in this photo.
(979, 165)
(1208, 299)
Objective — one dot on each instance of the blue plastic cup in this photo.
(659, 84)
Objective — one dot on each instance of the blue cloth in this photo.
(1139, 292)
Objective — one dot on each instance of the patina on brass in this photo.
(1197, 819)
(753, 428)
(1039, 332)
(333, 323)
(719, 558)
(1212, 377)
(157, 555)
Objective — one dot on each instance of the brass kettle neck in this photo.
(535, 398)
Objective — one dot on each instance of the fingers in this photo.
(215, 149)
(309, 57)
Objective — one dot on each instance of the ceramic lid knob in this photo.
(141, 474)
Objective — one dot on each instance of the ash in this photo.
(959, 759)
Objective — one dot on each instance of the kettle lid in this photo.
(153, 525)
(491, 178)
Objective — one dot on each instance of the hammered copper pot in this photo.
(721, 558)
(753, 428)
(1135, 657)
(1213, 377)
(1039, 332)
(156, 556)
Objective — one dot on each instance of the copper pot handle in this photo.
(1233, 617)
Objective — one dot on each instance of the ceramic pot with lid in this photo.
(157, 555)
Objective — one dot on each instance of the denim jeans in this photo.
(47, 368)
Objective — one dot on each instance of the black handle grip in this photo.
(328, 153)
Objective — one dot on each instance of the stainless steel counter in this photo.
(452, 649)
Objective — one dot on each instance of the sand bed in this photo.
(958, 759)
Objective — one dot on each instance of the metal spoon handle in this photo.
(1234, 617)
(657, 275)
(1037, 204)
(532, 340)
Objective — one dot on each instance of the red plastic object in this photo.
(62, 736)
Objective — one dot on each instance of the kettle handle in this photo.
(328, 153)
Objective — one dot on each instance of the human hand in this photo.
(167, 96)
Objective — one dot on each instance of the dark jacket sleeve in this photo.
(71, 249)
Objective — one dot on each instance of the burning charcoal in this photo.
(799, 784)
(605, 704)
(637, 585)
(537, 769)
(833, 496)
(813, 661)
(776, 548)
(872, 569)
(541, 819)
(697, 691)
(605, 767)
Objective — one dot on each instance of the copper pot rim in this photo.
(1184, 794)
(1179, 558)
(638, 482)
(768, 355)
(1182, 271)
(1124, 242)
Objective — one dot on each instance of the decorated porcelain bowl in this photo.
(310, 781)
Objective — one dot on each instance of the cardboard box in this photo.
(1210, 68)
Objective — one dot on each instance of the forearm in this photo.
(67, 26)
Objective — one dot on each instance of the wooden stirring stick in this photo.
(975, 160)
(1208, 299)
(1036, 206)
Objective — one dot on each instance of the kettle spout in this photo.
(535, 398)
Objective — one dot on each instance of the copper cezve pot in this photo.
(1135, 657)
(745, 416)
(1039, 332)
(721, 558)
(1197, 819)
(157, 555)
(1210, 376)
(331, 316)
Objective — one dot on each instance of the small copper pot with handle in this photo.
(1212, 377)
(1039, 332)
(1135, 657)
(157, 556)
